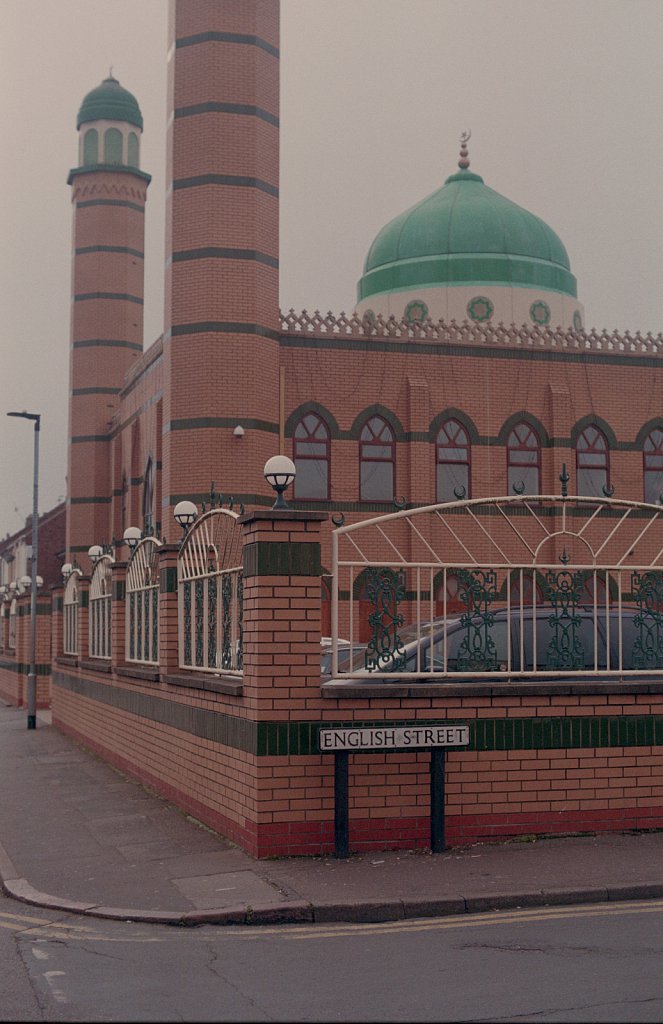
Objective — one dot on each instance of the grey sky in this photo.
(563, 98)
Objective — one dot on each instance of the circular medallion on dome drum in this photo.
(415, 311)
(577, 321)
(480, 308)
(540, 313)
(369, 316)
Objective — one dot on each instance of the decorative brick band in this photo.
(287, 739)
(114, 296)
(168, 580)
(125, 250)
(23, 668)
(107, 343)
(236, 180)
(227, 37)
(196, 422)
(95, 391)
(281, 558)
(211, 107)
(222, 327)
(219, 252)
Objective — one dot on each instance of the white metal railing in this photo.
(210, 594)
(523, 586)
(70, 614)
(142, 603)
(100, 609)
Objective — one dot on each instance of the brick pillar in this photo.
(57, 625)
(118, 614)
(22, 646)
(282, 572)
(168, 605)
(43, 650)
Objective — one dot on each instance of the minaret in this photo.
(221, 337)
(108, 194)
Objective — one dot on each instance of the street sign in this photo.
(389, 739)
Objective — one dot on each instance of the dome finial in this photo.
(464, 162)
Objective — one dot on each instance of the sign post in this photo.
(341, 742)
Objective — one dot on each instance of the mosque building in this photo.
(465, 370)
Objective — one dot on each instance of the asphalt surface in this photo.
(79, 836)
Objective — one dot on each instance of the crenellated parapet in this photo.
(527, 336)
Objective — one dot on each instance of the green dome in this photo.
(466, 234)
(110, 102)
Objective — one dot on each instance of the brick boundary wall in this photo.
(242, 756)
(15, 664)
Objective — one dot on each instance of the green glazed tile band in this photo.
(168, 580)
(282, 558)
(282, 739)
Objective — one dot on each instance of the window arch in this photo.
(148, 496)
(652, 457)
(449, 591)
(592, 462)
(91, 147)
(523, 460)
(113, 146)
(311, 455)
(377, 461)
(452, 462)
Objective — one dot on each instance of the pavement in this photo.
(77, 835)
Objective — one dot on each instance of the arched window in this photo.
(148, 496)
(592, 462)
(452, 462)
(311, 452)
(113, 146)
(653, 466)
(132, 150)
(376, 461)
(523, 460)
(91, 147)
(454, 600)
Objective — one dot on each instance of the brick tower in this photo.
(221, 319)
(108, 194)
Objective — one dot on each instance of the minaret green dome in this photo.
(110, 102)
(466, 234)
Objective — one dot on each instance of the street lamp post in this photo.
(32, 674)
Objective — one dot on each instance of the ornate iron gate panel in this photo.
(525, 586)
(210, 588)
(142, 639)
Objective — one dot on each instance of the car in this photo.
(346, 650)
(576, 642)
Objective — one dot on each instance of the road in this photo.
(592, 963)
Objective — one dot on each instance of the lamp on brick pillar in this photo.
(185, 513)
(94, 553)
(279, 472)
(131, 536)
